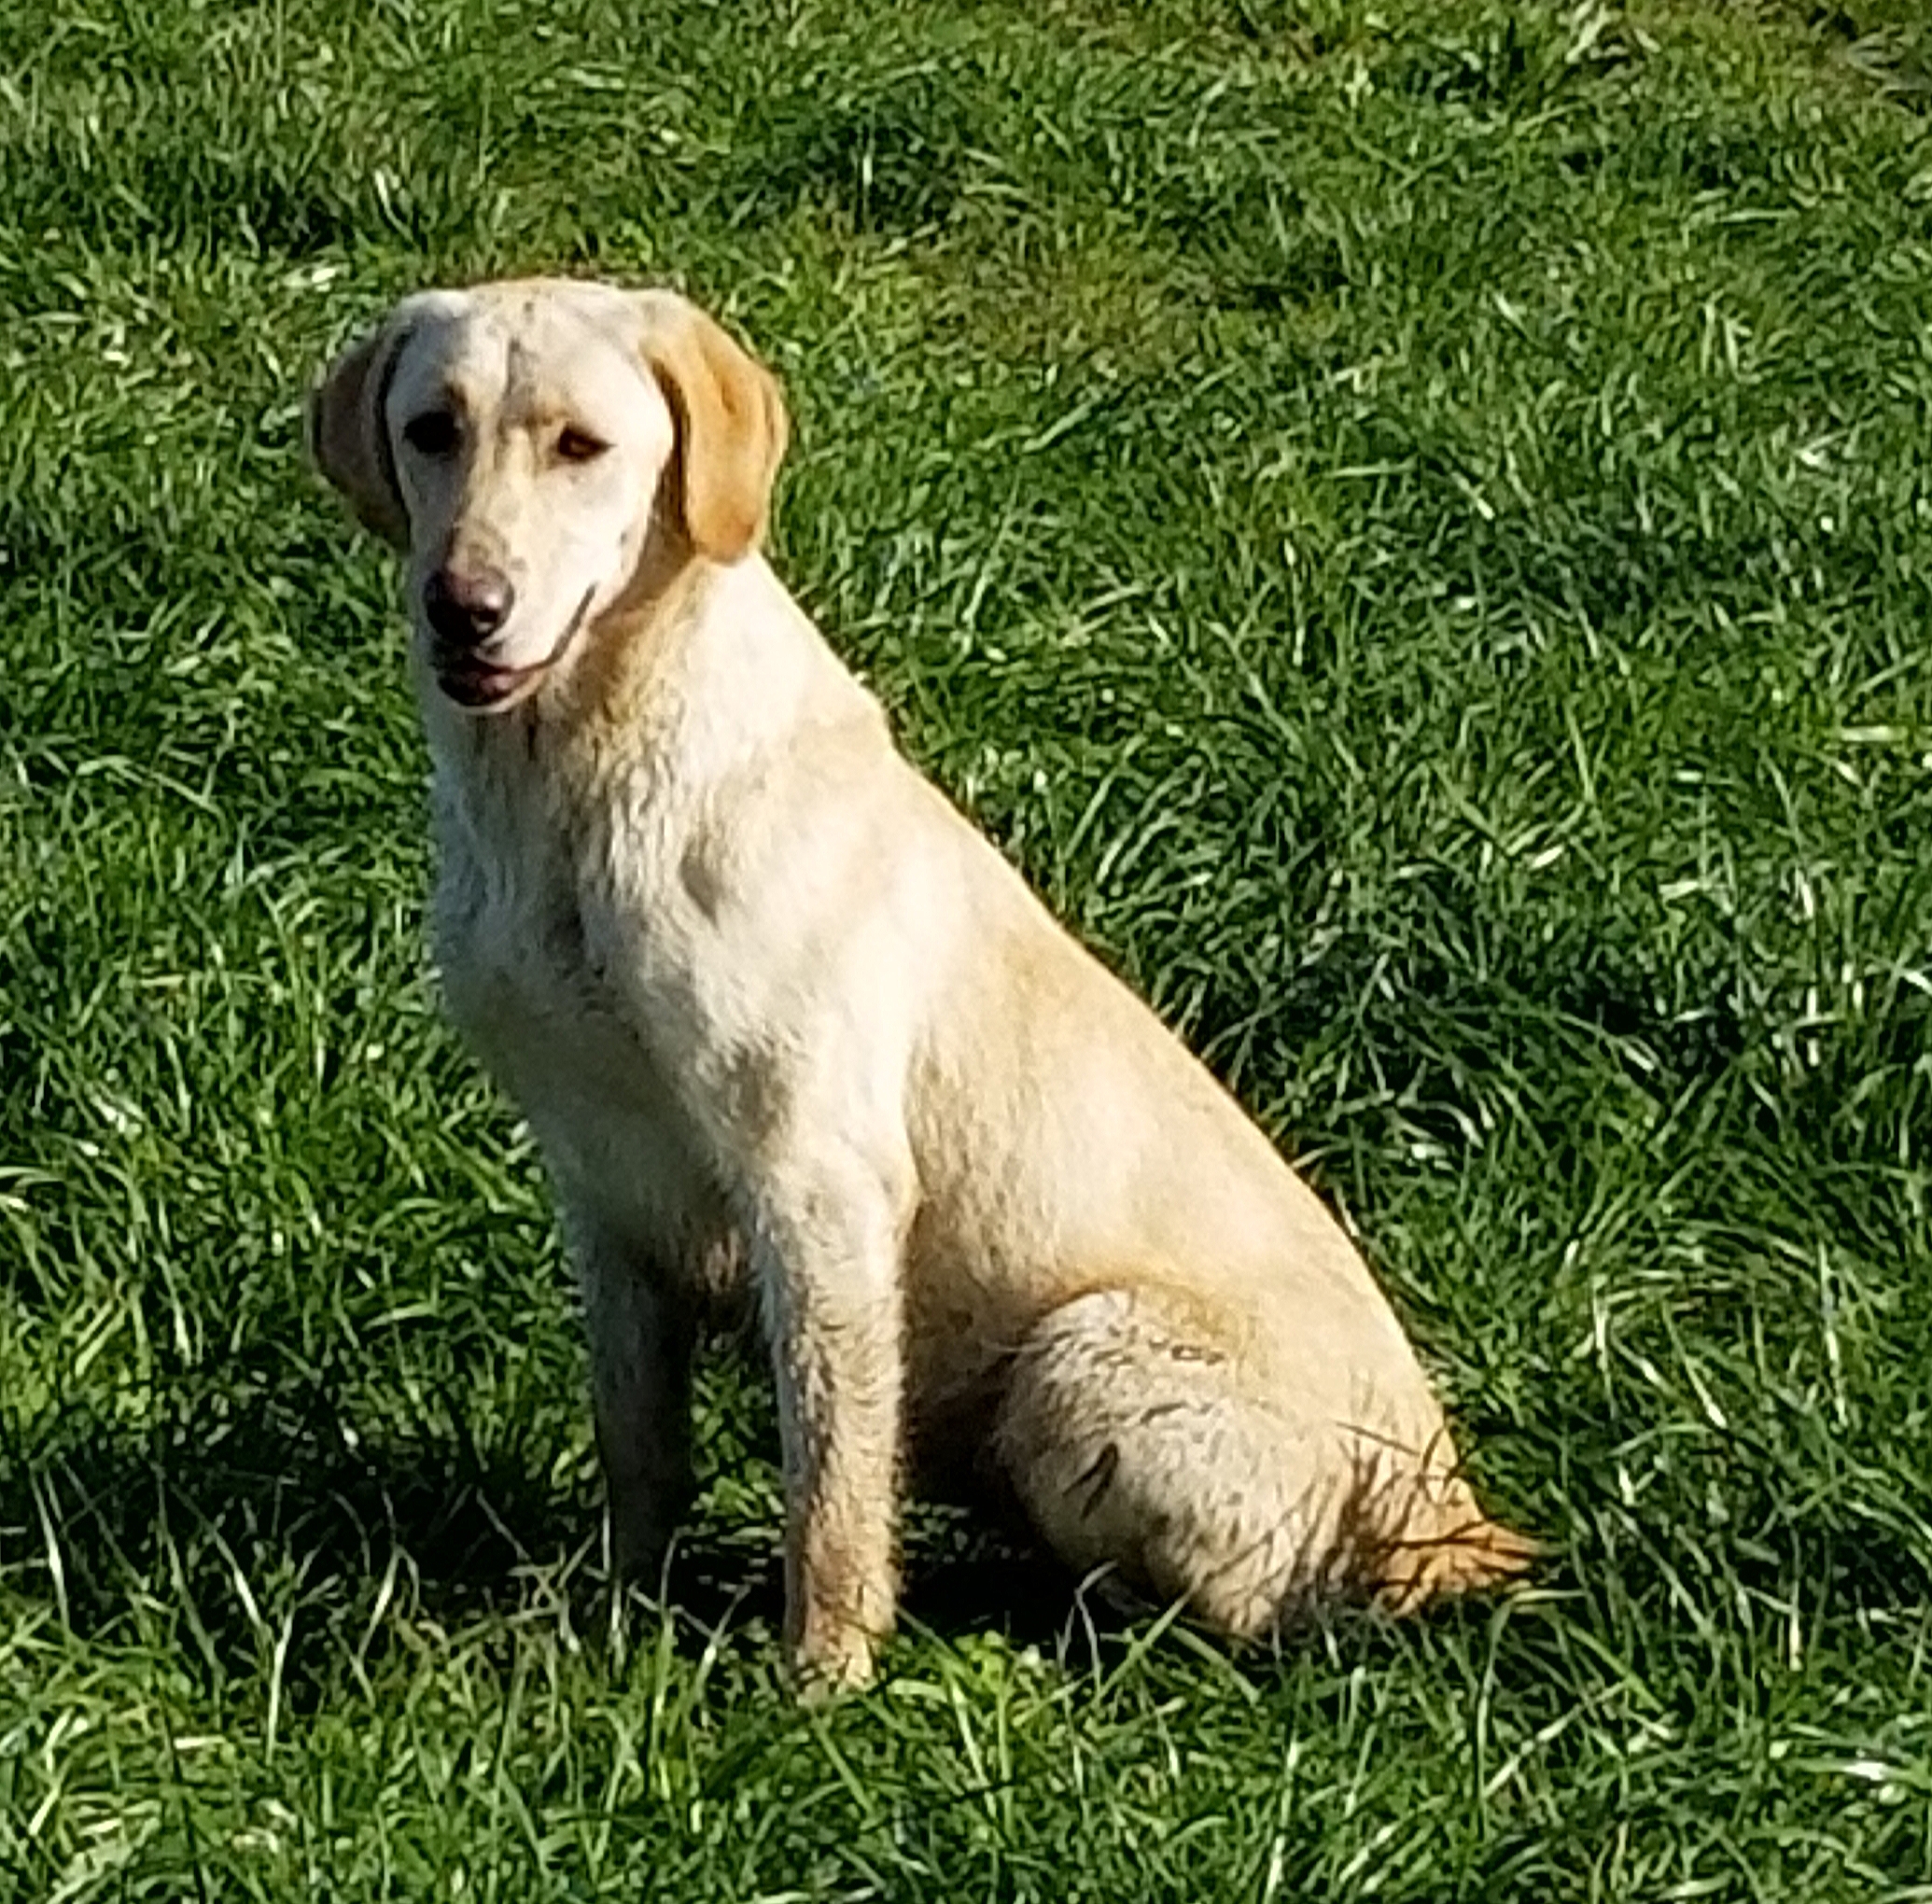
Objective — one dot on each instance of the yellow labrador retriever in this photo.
(770, 1004)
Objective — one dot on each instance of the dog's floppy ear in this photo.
(731, 426)
(348, 440)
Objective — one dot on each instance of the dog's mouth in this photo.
(472, 680)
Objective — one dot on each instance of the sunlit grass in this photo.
(1410, 523)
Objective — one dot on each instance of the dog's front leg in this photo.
(827, 1244)
(639, 1326)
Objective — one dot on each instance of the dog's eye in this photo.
(579, 446)
(431, 434)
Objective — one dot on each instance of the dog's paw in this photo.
(828, 1668)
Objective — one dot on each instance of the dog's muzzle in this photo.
(466, 672)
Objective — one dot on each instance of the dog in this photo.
(779, 1018)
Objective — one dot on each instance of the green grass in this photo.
(1412, 524)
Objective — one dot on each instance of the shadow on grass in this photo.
(237, 1496)
(242, 1510)
(242, 1516)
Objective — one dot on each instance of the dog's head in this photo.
(521, 442)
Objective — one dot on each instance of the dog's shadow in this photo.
(235, 1512)
(963, 1578)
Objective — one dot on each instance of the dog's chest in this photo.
(529, 977)
(516, 965)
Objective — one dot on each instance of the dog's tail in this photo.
(1468, 1554)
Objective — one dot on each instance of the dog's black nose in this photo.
(468, 605)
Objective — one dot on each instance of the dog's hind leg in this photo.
(1135, 1440)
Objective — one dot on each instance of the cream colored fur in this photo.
(769, 1002)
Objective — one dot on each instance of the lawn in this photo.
(1412, 524)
